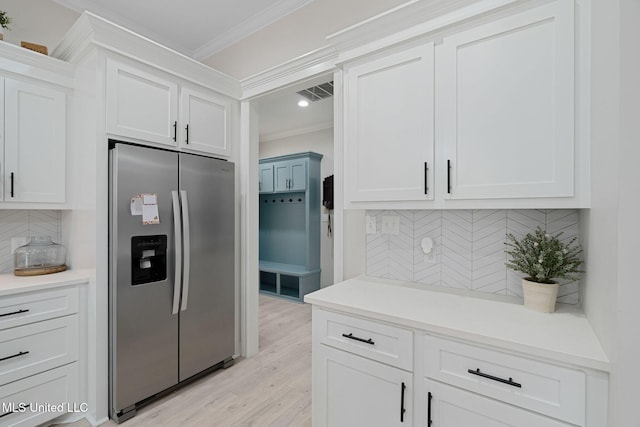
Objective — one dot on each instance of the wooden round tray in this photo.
(39, 270)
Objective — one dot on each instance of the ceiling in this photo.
(196, 28)
(281, 117)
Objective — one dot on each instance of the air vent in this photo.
(316, 93)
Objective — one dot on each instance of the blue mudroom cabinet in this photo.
(290, 225)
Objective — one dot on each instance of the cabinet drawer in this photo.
(32, 307)
(37, 399)
(449, 406)
(34, 348)
(387, 344)
(549, 389)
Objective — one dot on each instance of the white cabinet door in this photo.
(448, 406)
(34, 146)
(504, 108)
(354, 391)
(389, 127)
(205, 119)
(141, 104)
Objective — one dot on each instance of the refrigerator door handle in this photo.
(177, 225)
(186, 249)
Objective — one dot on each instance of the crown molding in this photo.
(274, 136)
(309, 65)
(24, 62)
(80, 6)
(255, 23)
(408, 21)
(91, 31)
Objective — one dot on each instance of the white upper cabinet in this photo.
(206, 122)
(34, 143)
(151, 106)
(389, 127)
(504, 110)
(141, 104)
(480, 115)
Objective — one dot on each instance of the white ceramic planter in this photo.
(540, 296)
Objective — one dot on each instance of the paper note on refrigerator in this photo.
(136, 205)
(150, 199)
(150, 214)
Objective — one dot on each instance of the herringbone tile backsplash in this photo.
(468, 247)
(25, 223)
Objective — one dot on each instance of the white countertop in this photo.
(11, 284)
(565, 336)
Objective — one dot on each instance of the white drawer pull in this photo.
(491, 377)
(351, 337)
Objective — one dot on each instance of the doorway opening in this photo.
(296, 151)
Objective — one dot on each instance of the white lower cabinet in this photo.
(368, 372)
(357, 392)
(39, 352)
(40, 398)
(449, 406)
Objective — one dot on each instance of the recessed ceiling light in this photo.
(303, 103)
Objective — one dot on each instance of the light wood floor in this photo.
(272, 388)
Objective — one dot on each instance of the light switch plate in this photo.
(370, 222)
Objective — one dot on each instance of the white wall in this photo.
(320, 142)
(37, 21)
(611, 291)
(625, 386)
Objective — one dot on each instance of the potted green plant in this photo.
(544, 259)
(4, 23)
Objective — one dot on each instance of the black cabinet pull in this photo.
(351, 337)
(12, 184)
(7, 413)
(429, 397)
(22, 353)
(175, 131)
(187, 140)
(402, 410)
(449, 176)
(491, 377)
(13, 313)
(426, 174)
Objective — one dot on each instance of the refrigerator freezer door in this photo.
(143, 330)
(207, 324)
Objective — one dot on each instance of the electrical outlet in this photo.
(16, 242)
(370, 222)
(391, 224)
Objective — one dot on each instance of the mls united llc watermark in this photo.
(12, 407)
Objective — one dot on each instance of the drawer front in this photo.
(37, 347)
(21, 309)
(384, 343)
(451, 406)
(40, 398)
(549, 389)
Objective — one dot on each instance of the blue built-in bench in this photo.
(290, 225)
(288, 280)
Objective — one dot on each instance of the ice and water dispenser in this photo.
(148, 259)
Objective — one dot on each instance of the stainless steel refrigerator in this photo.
(171, 284)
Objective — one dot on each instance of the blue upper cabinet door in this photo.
(282, 176)
(298, 179)
(266, 178)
